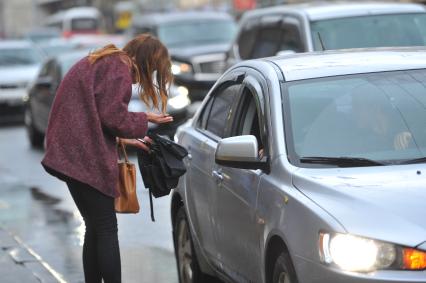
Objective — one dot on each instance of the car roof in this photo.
(331, 10)
(15, 44)
(164, 18)
(346, 62)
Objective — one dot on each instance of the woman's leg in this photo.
(101, 253)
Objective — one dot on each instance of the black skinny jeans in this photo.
(101, 252)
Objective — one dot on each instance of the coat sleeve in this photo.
(113, 90)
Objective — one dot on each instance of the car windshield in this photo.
(56, 49)
(67, 63)
(189, 33)
(380, 117)
(19, 56)
(370, 31)
(84, 24)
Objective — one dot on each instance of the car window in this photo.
(247, 39)
(220, 110)
(45, 69)
(277, 37)
(19, 56)
(196, 32)
(376, 116)
(370, 31)
(267, 43)
(290, 40)
(140, 30)
(247, 117)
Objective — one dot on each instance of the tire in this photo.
(35, 136)
(283, 270)
(187, 264)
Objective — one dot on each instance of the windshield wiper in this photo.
(413, 161)
(341, 161)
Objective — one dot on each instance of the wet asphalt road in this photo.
(39, 209)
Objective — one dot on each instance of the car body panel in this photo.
(336, 63)
(329, 10)
(201, 191)
(376, 194)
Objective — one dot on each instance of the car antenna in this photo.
(322, 43)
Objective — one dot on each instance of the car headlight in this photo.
(181, 68)
(180, 99)
(353, 253)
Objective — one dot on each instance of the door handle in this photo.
(217, 175)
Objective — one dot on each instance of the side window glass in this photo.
(221, 109)
(45, 70)
(141, 30)
(202, 121)
(267, 42)
(247, 119)
(247, 39)
(290, 39)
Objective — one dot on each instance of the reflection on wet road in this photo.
(39, 209)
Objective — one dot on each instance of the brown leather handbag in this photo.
(127, 202)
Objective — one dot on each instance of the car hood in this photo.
(18, 74)
(385, 203)
(187, 52)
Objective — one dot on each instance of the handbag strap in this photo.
(120, 145)
(151, 206)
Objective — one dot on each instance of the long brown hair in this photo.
(145, 55)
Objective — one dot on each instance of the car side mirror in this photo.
(240, 152)
(44, 82)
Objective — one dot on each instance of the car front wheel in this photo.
(283, 270)
(188, 267)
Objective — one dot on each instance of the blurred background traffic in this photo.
(41, 39)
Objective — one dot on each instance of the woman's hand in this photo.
(138, 144)
(159, 118)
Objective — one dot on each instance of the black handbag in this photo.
(161, 167)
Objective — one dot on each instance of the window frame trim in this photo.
(234, 78)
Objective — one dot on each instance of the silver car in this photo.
(307, 168)
(327, 25)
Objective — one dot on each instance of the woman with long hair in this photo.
(88, 115)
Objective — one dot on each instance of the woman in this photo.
(88, 114)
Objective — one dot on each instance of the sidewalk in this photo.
(19, 264)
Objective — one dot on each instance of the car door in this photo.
(237, 226)
(201, 192)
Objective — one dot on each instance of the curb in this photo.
(22, 255)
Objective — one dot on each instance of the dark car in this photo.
(197, 42)
(42, 93)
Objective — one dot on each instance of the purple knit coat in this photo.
(89, 112)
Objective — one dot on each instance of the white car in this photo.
(327, 25)
(19, 64)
